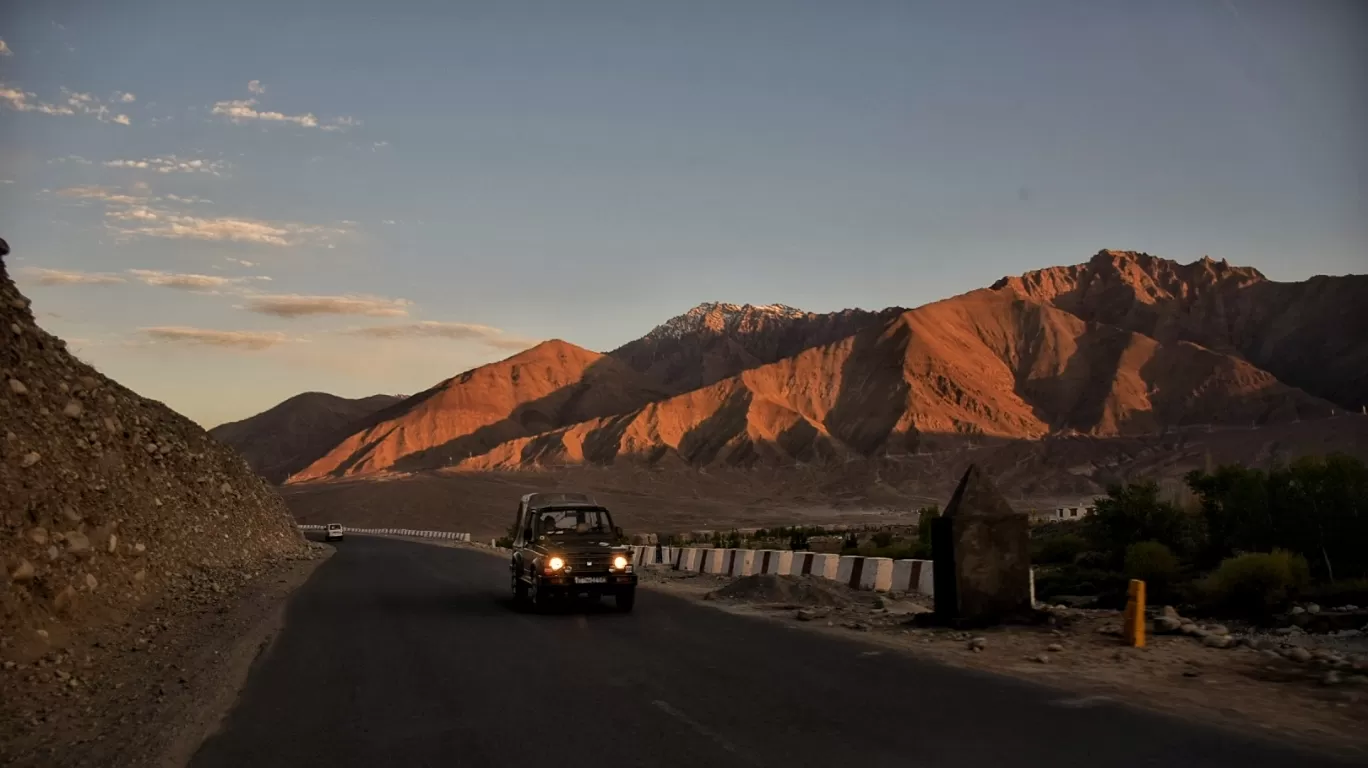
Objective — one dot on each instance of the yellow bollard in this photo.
(1134, 631)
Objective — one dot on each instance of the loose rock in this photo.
(77, 543)
(17, 387)
(73, 409)
(23, 572)
(30, 458)
(1055, 648)
(978, 644)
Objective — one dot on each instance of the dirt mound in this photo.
(108, 499)
(785, 590)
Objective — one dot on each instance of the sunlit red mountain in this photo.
(1127, 345)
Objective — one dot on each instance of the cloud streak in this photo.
(5, 49)
(170, 164)
(187, 281)
(76, 103)
(246, 110)
(432, 329)
(144, 221)
(249, 340)
(296, 305)
(44, 276)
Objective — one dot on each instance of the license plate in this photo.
(591, 579)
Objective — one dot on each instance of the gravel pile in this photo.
(786, 590)
(108, 499)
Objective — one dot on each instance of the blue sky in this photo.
(429, 185)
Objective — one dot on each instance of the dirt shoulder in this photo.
(148, 691)
(1320, 705)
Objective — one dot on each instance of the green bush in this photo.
(924, 517)
(1256, 585)
(1058, 550)
(882, 539)
(1343, 592)
(1134, 512)
(1107, 586)
(1154, 564)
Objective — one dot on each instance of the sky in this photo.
(222, 205)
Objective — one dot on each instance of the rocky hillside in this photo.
(540, 389)
(108, 498)
(714, 341)
(985, 364)
(1311, 334)
(289, 437)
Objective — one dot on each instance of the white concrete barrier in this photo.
(716, 560)
(743, 562)
(690, 559)
(877, 574)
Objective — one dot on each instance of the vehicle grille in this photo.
(588, 563)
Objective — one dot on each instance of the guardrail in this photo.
(449, 535)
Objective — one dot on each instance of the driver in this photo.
(548, 524)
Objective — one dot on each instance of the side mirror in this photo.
(617, 531)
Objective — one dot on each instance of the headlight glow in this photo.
(555, 563)
(619, 562)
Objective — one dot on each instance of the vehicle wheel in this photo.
(519, 590)
(535, 598)
(625, 600)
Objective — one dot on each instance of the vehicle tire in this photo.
(519, 590)
(625, 600)
(536, 599)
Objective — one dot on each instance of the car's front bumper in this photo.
(612, 584)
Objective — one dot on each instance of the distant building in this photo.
(1063, 514)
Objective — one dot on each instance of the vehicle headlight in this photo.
(619, 562)
(555, 563)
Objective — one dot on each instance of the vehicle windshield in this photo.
(565, 523)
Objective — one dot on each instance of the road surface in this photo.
(405, 654)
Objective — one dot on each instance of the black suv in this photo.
(566, 545)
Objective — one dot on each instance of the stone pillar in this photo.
(981, 549)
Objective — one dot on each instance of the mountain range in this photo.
(1126, 345)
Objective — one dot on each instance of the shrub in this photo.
(924, 517)
(1154, 564)
(1108, 586)
(1134, 512)
(882, 539)
(1256, 585)
(1058, 550)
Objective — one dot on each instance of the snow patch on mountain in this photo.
(724, 318)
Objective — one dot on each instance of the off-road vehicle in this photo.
(565, 545)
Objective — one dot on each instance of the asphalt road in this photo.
(405, 654)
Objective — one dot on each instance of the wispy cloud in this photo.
(26, 101)
(124, 98)
(146, 221)
(295, 305)
(241, 262)
(342, 124)
(189, 199)
(170, 164)
(5, 49)
(44, 276)
(187, 281)
(76, 103)
(251, 340)
(432, 329)
(86, 104)
(104, 194)
(71, 159)
(245, 110)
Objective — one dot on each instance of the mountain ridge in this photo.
(1115, 347)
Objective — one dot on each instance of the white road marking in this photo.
(703, 730)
